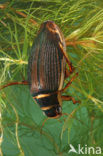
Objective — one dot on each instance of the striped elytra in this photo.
(46, 69)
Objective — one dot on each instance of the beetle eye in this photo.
(58, 109)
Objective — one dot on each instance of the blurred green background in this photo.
(21, 121)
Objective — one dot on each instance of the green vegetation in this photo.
(21, 120)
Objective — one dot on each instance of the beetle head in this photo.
(50, 104)
(54, 112)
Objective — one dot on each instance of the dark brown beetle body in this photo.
(46, 70)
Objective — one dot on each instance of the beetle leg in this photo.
(70, 98)
(67, 73)
(14, 83)
(69, 83)
(71, 68)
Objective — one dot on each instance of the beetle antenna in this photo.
(43, 124)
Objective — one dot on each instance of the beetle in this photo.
(47, 70)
